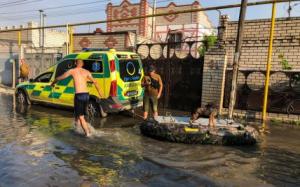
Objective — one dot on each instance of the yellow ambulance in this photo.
(118, 73)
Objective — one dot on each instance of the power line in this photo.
(56, 7)
(156, 15)
(55, 14)
(24, 16)
(19, 3)
(12, 2)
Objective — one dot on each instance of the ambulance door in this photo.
(63, 93)
(42, 88)
(98, 66)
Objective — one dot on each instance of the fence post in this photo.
(264, 113)
(168, 77)
(13, 61)
(71, 40)
(67, 39)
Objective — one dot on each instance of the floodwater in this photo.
(39, 148)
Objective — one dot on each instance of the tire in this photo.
(22, 98)
(94, 110)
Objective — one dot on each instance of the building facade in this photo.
(39, 58)
(177, 27)
(121, 40)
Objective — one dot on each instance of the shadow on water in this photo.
(39, 148)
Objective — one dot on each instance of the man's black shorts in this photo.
(81, 101)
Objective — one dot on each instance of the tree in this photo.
(207, 42)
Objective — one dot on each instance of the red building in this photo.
(189, 26)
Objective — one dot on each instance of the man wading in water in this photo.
(153, 89)
(81, 99)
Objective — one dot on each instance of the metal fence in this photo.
(40, 62)
(180, 67)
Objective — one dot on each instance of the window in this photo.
(94, 66)
(175, 39)
(64, 66)
(46, 77)
(130, 70)
(96, 56)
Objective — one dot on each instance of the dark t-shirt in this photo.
(152, 84)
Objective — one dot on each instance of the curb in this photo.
(6, 90)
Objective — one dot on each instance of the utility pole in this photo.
(237, 55)
(290, 9)
(43, 40)
(153, 19)
(67, 39)
(43, 30)
(41, 24)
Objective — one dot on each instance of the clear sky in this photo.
(17, 12)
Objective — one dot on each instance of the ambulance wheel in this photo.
(95, 110)
(22, 98)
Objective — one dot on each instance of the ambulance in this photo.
(118, 74)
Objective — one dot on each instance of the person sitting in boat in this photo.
(209, 111)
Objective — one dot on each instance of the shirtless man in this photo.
(81, 99)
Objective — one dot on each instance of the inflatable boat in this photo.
(181, 130)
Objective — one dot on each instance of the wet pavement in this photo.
(39, 148)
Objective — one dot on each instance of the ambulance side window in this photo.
(46, 77)
(64, 66)
(93, 66)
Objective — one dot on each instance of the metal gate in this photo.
(40, 62)
(180, 67)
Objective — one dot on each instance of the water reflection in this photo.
(39, 148)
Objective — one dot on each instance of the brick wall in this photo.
(125, 10)
(256, 40)
(213, 81)
(122, 41)
(255, 48)
(253, 55)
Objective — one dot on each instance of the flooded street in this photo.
(39, 148)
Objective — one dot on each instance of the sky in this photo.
(19, 12)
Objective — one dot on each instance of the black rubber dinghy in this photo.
(229, 134)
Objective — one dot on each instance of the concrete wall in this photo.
(8, 51)
(30, 41)
(53, 38)
(192, 25)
